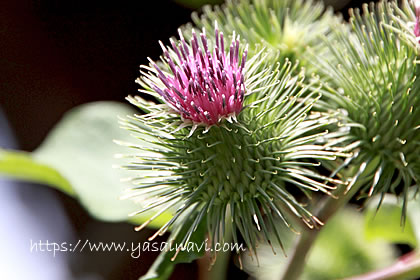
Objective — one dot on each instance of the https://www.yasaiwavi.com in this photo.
(133, 248)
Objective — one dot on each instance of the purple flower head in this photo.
(206, 85)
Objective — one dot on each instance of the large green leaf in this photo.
(78, 156)
(164, 265)
(20, 165)
(385, 223)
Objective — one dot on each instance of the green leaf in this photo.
(385, 223)
(164, 265)
(20, 165)
(77, 158)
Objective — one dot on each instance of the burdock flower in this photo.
(204, 86)
(227, 141)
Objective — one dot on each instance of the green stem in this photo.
(307, 238)
(332, 205)
(297, 260)
(219, 269)
(407, 267)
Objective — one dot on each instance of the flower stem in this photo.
(217, 270)
(407, 267)
(308, 236)
(297, 261)
(220, 267)
(332, 204)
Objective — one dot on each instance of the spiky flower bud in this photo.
(288, 26)
(378, 89)
(241, 160)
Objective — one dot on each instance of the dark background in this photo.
(58, 54)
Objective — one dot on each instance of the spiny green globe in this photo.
(218, 165)
(375, 85)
